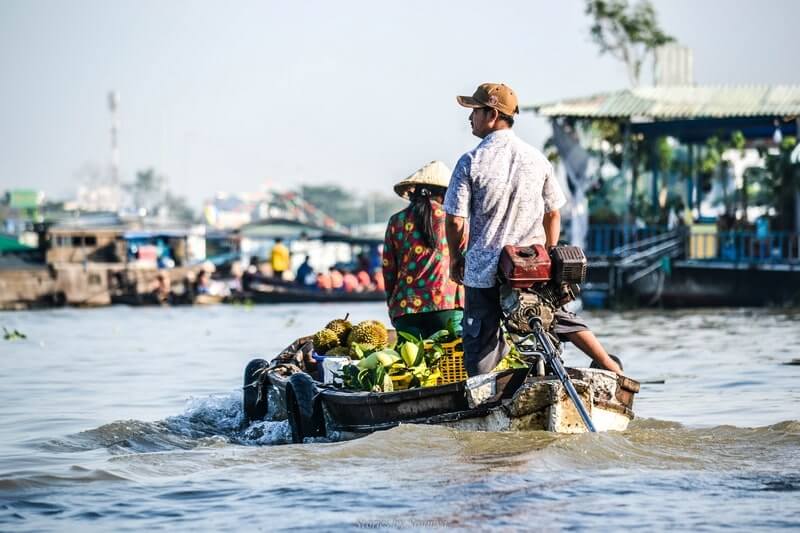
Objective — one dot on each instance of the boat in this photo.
(288, 388)
(266, 290)
(274, 294)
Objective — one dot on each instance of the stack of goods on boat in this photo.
(371, 358)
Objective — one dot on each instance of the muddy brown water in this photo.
(129, 419)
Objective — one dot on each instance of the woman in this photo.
(416, 267)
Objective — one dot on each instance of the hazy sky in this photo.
(227, 96)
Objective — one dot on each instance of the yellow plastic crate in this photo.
(401, 382)
(451, 365)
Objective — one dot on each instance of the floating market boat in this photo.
(274, 293)
(288, 387)
(262, 289)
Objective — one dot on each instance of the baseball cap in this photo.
(495, 95)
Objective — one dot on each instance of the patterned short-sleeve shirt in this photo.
(504, 187)
(417, 278)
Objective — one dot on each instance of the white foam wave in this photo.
(222, 415)
(267, 432)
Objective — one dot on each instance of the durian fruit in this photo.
(341, 351)
(369, 332)
(324, 340)
(341, 327)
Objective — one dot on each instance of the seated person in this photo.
(363, 280)
(305, 273)
(377, 277)
(324, 281)
(203, 284)
(337, 279)
(422, 298)
(350, 282)
(162, 290)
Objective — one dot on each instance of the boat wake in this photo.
(206, 422)
(217, 421)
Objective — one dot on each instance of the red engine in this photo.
(534, 284)
(524, 266)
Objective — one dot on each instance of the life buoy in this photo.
(254, 404)
(303, 408)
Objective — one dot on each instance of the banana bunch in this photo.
(372, 373)
(422, 357)
(410, 364)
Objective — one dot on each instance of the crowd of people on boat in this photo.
(347, 278)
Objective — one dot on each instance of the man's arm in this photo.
(552, 227)
(456, 239)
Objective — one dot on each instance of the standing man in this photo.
(279, 258)
(507, 190)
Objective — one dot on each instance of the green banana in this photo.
(369, 363)
(387, 357)
(409, 352)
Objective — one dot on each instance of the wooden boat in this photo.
(151, 299)
(269, 291)
(286, 388)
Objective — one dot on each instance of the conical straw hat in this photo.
(434, 173)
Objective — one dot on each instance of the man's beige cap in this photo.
(495, 95)
(435, 174)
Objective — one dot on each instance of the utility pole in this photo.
(113, 105)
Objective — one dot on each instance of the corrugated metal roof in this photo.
(684, 102)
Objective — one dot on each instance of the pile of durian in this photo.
(341, 337)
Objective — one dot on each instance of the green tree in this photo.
(335, 201)
(178, 208)
(349, 209)
(150, 191)
(784, 172)
(628, 33)
(714, 165)
(147, 189)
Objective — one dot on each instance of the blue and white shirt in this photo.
(504, 187)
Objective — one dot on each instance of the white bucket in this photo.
(331, 365)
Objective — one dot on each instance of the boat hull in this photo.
(516, 402)
(282, 294)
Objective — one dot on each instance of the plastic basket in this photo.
(451, 364)
(401, 382)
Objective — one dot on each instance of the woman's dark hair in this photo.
(422, 212)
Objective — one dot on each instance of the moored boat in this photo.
(273, 293)
(287, 388)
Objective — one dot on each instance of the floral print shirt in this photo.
(417, 278)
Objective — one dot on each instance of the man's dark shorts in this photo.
(484, 345)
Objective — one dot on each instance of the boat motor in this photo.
(534, 284)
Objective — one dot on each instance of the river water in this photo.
(129, 419)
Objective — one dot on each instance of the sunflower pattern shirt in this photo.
(417, 278)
